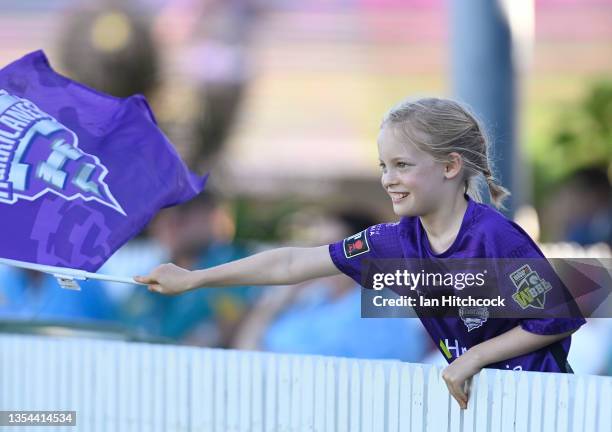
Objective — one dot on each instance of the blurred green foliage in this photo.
(582, 136)
(258, 220)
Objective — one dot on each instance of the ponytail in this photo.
(497, 192)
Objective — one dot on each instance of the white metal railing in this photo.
(123, 386)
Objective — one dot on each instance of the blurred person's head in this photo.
(589, 213)
(313, 226)
(187, 230)
(592, 188)
(108, 45)
(430, 151)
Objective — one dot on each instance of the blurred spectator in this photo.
(323, 316)
(209, 40)
(581, 208)
(592, 217)
(580, 211)
(108, 45)
(139, 309)
(33, 296)
(200, 235)
(197, 234)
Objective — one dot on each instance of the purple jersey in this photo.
(484, 233)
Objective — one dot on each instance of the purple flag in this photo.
(81, 172)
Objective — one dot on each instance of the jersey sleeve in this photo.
(551, 326)
(354, 253)
(531, 285)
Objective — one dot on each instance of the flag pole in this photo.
(68, 272)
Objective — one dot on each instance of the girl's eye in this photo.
(403, 165)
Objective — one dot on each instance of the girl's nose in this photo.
(388, 179)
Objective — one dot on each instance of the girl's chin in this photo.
(404, 210)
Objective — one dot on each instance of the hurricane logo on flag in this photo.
(39, 155)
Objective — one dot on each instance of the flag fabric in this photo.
(81, 172)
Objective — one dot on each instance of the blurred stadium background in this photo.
(281, 102)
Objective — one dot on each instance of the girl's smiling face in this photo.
(414, 180)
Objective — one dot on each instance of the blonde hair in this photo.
(443, 126)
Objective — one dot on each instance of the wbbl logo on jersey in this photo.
(531, 289)
(473, 316)
(39, 155)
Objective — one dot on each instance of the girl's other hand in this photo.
(458, 374)
(166, 279)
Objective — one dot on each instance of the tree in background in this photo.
(572, 180)
(583, 139)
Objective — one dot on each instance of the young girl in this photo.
(432, 154)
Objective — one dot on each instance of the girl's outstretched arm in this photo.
(283, 266)
(507, 345)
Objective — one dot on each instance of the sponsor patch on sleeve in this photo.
(356, 245)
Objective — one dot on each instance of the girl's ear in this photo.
(453, 167)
